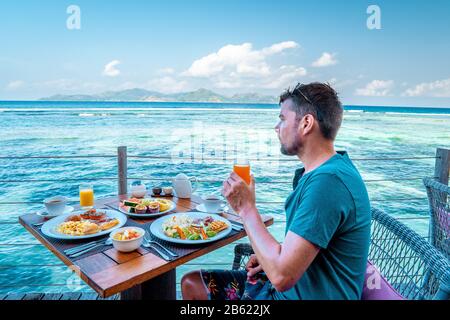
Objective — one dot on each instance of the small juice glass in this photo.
(242, 168)
(86, 196)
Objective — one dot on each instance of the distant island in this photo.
(200, 95)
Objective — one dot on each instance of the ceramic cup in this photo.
(55, 205)
(212, 203)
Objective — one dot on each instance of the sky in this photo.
(394, 54)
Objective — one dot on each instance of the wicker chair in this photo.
(439, 201)
(413, 267)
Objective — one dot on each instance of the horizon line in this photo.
(216, 102)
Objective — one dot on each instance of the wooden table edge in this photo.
(64, 259)
(106, 292)
(172, 265)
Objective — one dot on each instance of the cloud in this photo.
(439, 88)
(325, 60)
(278, 47)
(166, 71)
(376, 88)
(240, 59)
(167, 84)
(286, 75)
(110, 69)
(16, 84)
(244, 67)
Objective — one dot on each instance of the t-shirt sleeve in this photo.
(323, 207)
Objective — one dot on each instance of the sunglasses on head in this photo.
(297, 88)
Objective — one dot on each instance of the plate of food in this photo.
(84, 224)
(191, 227)
(146, 207)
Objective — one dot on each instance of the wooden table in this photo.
(139, 274)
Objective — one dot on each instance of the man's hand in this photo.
(240, 196)
(253, 266)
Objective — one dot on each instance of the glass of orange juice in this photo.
(86, 196)
(242, 168)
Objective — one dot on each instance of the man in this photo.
(324, 253)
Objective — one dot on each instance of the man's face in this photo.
(287, 129)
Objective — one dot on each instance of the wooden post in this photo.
(162, 287)
(442, 165)
(122, 169)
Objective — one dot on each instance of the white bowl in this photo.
(127, 245)
(167, 190)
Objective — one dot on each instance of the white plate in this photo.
(43, 212)
(149, 215)
(202, 208)
(157, 230)
(49, 228)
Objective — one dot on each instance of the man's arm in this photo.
(284, 264)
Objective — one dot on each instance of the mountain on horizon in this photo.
(138, 94)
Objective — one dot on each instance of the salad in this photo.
(186, 228)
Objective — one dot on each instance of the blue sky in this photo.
(228, 47)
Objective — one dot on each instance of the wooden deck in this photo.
(62, 296)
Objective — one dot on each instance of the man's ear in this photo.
(306, 124)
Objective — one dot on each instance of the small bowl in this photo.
(157, 191)
(127, 245)
(167, 190)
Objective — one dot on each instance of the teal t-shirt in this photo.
(330, 208)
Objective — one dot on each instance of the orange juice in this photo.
(86, 197)
(243, 171)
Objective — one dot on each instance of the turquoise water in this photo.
(200, 140)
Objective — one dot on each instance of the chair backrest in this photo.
(439, 201)
(412, 266)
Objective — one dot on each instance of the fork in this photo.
(82, 247)
(79, 253)
(173, 254)
(148, 245)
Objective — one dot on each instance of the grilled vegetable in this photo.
(181, 233)
(130, 203)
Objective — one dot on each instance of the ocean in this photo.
(201, 140)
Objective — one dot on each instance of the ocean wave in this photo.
(418, 113)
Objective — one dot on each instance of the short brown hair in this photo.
(320, 100)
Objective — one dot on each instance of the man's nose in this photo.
(277, 128)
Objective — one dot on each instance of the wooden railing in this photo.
(441, 173)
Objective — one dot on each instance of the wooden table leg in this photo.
(162, 287)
